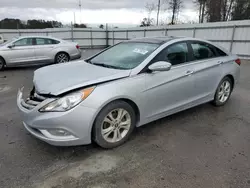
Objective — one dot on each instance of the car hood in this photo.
(61, 78)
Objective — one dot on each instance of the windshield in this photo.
(126, 55)
(9, 41)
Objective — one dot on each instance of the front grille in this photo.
(33, 100)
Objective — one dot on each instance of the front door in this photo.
(171, 90)
(21, 52)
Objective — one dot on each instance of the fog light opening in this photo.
(57, 134)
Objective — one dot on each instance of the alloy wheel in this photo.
(116, 125)
(224, 91)
(62, 58)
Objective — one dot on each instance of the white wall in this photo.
(234, 35)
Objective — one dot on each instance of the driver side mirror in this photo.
(11, 46)
(160, 66)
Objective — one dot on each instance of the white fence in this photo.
(234, 36)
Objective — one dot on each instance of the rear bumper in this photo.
(78, 122)
(76, 56)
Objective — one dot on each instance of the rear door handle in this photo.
(189, 72)
(220, 62)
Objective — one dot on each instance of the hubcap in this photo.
(116, 125)
(62, 58)
(224, 91)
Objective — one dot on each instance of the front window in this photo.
(24, 42)
(126, 55)
(175, 54)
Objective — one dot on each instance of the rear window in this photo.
(46, 41)
(202, 50)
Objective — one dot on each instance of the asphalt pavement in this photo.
(204, 147)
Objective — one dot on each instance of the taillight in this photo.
(238, 61)
(77, 46)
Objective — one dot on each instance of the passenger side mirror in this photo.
(11, 46)
(160, 66)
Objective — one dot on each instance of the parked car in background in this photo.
(103, 98)
(37, 49)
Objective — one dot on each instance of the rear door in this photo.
(207, 71)
(44, 49)
(22, 52)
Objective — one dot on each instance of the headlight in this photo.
(67, 102)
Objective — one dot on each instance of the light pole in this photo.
(80, 7)
(158, 12)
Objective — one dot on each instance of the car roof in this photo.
(155, 40)
(37, 36)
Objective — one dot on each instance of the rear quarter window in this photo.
(220, 52)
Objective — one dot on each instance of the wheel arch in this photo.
(230, 76)
(4, 63)
(1, 57)
(127, 100)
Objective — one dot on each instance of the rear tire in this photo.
(62, 57)
(114, 124)
(2, 64)
(223, 92)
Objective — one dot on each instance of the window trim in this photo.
(23, 39)
(202, 42)
(44, 40)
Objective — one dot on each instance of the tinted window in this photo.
(202, 50)
(45, 41)
(126, 55)
(24, 42)
(174, 54)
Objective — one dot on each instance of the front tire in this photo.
(2, 64)
(223, 92)
(114, 124)
(62, 58)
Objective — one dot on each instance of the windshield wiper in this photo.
(106, 66)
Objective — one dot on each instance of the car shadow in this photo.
(21, 68)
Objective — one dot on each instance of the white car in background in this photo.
(37, 49)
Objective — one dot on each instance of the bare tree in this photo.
(150, 7)
(226, 9)
(202, 9)
(229, 10)
(175, 6)
(214, 8)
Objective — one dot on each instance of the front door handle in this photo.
(189, 72)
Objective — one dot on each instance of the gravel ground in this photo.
(204, 147)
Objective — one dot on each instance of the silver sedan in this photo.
(103, 98)
(37, 49)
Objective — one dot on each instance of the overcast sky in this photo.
(128, 12)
